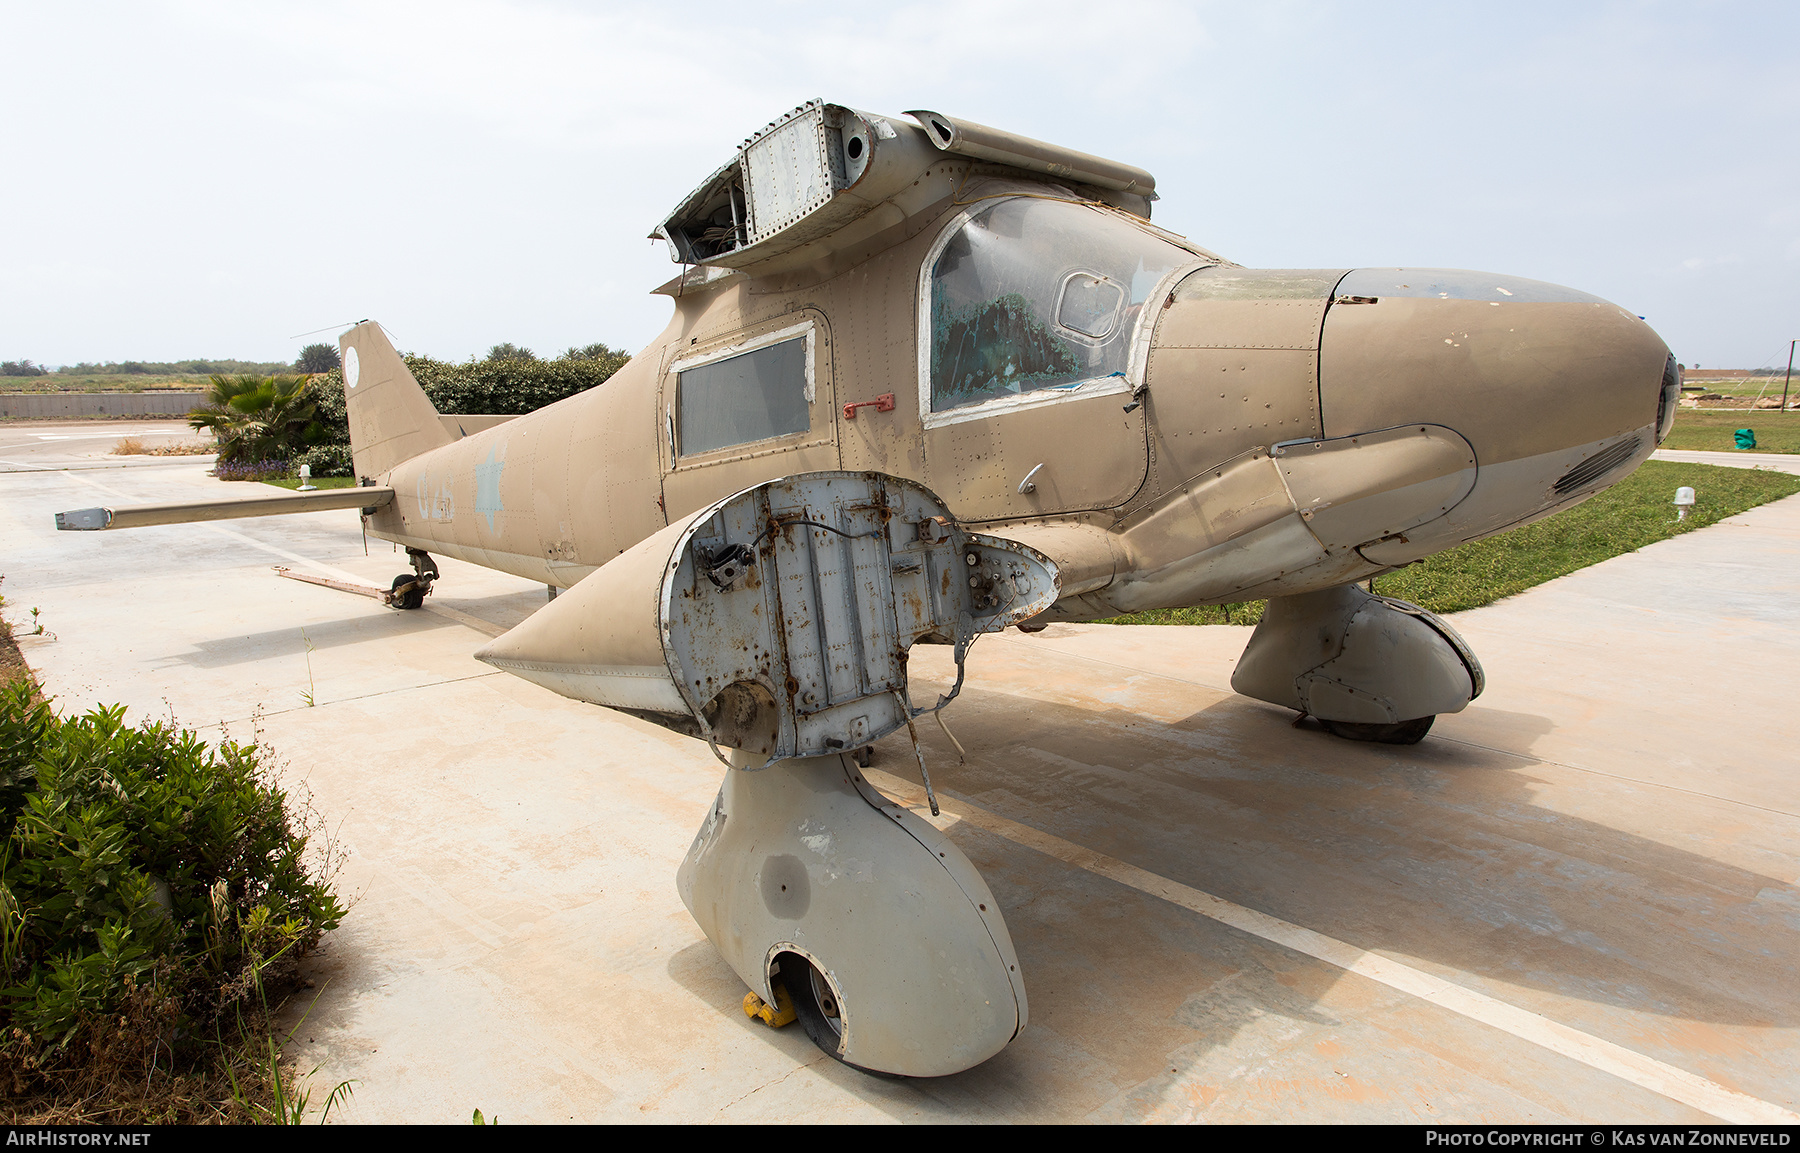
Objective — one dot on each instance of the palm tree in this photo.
(257, 418)
(317, 358)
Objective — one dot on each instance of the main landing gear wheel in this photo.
(424, 573)
(411, 599)
(1400, 733)
(816, 1005)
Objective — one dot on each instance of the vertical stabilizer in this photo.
(391, 418)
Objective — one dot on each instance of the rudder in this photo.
(391, 418)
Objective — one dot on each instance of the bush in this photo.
(253, 469)
(504, 387)
(326, 460)
(151, 887)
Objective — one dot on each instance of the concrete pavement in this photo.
(1576, 900)
(33, 445)
(1777, 461)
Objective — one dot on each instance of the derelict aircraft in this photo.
(927, 380)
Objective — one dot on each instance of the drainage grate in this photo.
(1598, 465)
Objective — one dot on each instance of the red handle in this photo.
(882, 403)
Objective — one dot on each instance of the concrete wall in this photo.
(60, 405)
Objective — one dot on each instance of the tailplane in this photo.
(391, 418)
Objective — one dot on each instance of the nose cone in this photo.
(1559, 392)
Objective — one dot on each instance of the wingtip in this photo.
(83, 519)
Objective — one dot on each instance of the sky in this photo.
(189, 179)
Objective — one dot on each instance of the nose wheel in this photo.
(924, 985)
(815, 1003)
(819, 1010)
(1402, 733)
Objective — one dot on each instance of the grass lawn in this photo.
(1633, 513)
(1711, 431)
(293, 482)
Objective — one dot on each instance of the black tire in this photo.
(411, 599)
(1400, 733)
(815, 1008)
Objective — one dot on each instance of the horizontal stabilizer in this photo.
(183, 512)
(459, 425)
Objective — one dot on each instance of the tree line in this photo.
(314, 358)
(144, 368)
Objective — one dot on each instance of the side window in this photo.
(1090, 305)
(756, 395)
(1030, 295)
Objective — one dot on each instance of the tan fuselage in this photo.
(1232, 460)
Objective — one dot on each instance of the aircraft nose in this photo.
(1559, 392)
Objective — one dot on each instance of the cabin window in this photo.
(743, 398)
(1031, 294)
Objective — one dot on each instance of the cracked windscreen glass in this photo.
(1034, 294)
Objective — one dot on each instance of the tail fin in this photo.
(391, 418)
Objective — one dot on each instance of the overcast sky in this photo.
(194, 179)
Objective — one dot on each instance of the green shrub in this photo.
(506, 386)
(326, 460)
(256, 418)
(151, 888)
(276, 469)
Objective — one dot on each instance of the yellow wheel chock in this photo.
(776, 1015)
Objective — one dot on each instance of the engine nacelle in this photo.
(1370, 667)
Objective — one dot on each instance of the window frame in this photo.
(1137, 356)
(1062, 296)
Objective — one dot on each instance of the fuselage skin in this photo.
(1167, 486)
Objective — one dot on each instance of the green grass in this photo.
(1742, 384)
(121, 382)
(1711, 431)
(293, 482)
(1633, 513)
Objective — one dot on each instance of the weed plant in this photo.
(154, 892)
(133, 446)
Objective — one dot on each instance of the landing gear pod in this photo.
(1371, 668)
(777, 621)
(885, 937)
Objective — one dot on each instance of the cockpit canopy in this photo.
(1031, 293)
